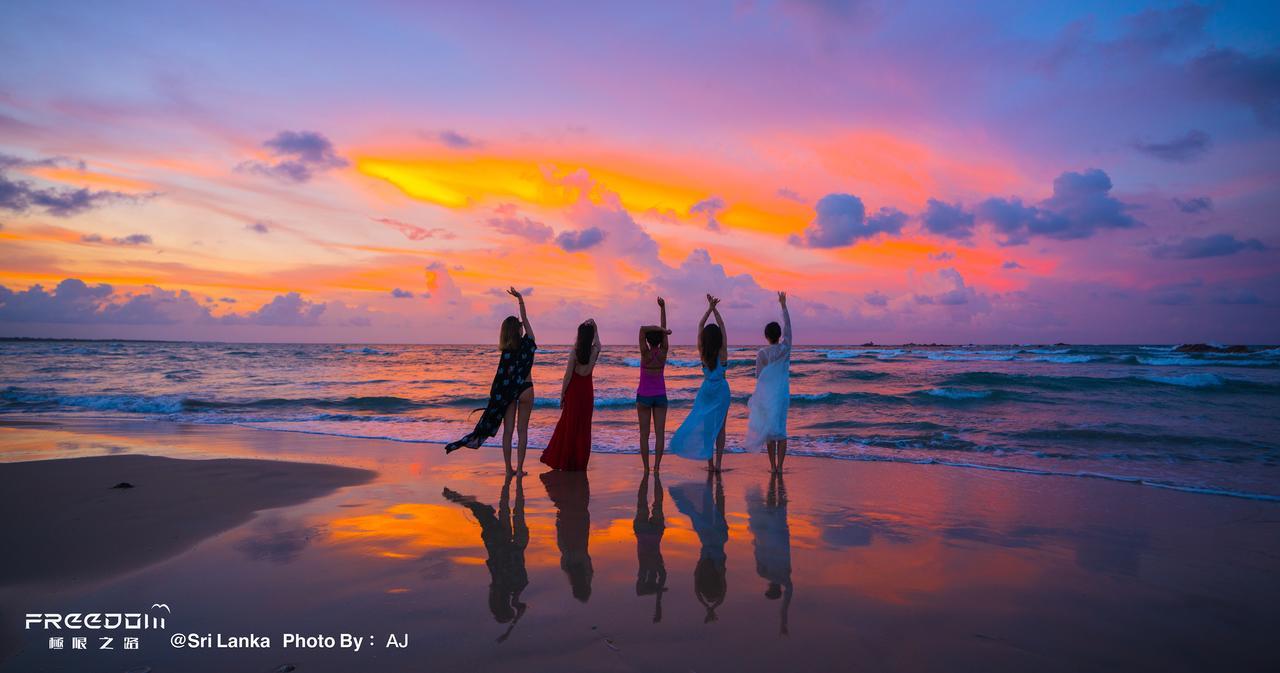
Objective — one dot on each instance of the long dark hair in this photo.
(710, 343)
(582, 348)
(509, 335)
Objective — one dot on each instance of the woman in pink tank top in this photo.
(651, 394)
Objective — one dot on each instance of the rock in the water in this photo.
(284, 668)
(123, 484)
(1210, 348)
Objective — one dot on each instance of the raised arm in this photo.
(724, 341)
(703, 323)
(595, 344)
(786, 318)
(662, 323)
(524, 316)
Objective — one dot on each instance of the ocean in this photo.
(1147, 414)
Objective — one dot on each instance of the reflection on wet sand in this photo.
(570, 493)
(505, 537)
(767, 518)
(649, 525)
(704, 505)
(913, 568)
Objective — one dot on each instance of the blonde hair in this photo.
(509, 336)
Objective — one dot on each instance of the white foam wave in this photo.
(959, 393)
(1189, 380)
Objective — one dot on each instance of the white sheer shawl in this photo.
(768, 404)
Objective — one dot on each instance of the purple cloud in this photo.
(401, 294)
(456, 140)
(285, 310)
(1156, 30)
(711, 207)
(412, 231)
(1081, 205)
(258, 227)
(876, 298)
(507, 220)
(958, 294)
(1185, 148)
(1217, 245)
(945, 219)
(576, 241)
(1194, 205)
(301, 155)
(842, 220)
(1246, 79)
(1235, 297)
(74, 301)
(131, 239)
(791, 195)
(19, 196)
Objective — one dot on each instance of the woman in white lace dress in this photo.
(767, 427)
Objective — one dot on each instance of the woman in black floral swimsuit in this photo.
(511, 395)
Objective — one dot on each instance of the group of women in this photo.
(701, 436)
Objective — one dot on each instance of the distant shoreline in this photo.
(10, 339)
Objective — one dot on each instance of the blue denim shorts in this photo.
(652, 400)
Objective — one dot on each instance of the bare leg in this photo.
(508, 427)
(643, 413)
(773, 458)
(782, 453)
(526, 408)
(720, 442)
(660, 439)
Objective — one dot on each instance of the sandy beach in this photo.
(874, 565)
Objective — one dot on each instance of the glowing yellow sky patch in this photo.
(463, 182)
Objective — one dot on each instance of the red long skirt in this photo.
(570, 446)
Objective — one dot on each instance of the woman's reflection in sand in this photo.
(649, 525)
(505, 536)
(704, 505)
(570, 493)
(767, 518)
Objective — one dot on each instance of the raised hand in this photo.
(782, 298)
(514, 292)
(661, 302)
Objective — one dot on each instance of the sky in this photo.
(995, 172)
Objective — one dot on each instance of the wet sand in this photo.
(76, 520)
(837, 566)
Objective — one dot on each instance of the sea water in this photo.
(1144, 413)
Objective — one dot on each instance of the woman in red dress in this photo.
(570, 446)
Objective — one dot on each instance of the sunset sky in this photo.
(379, 172)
